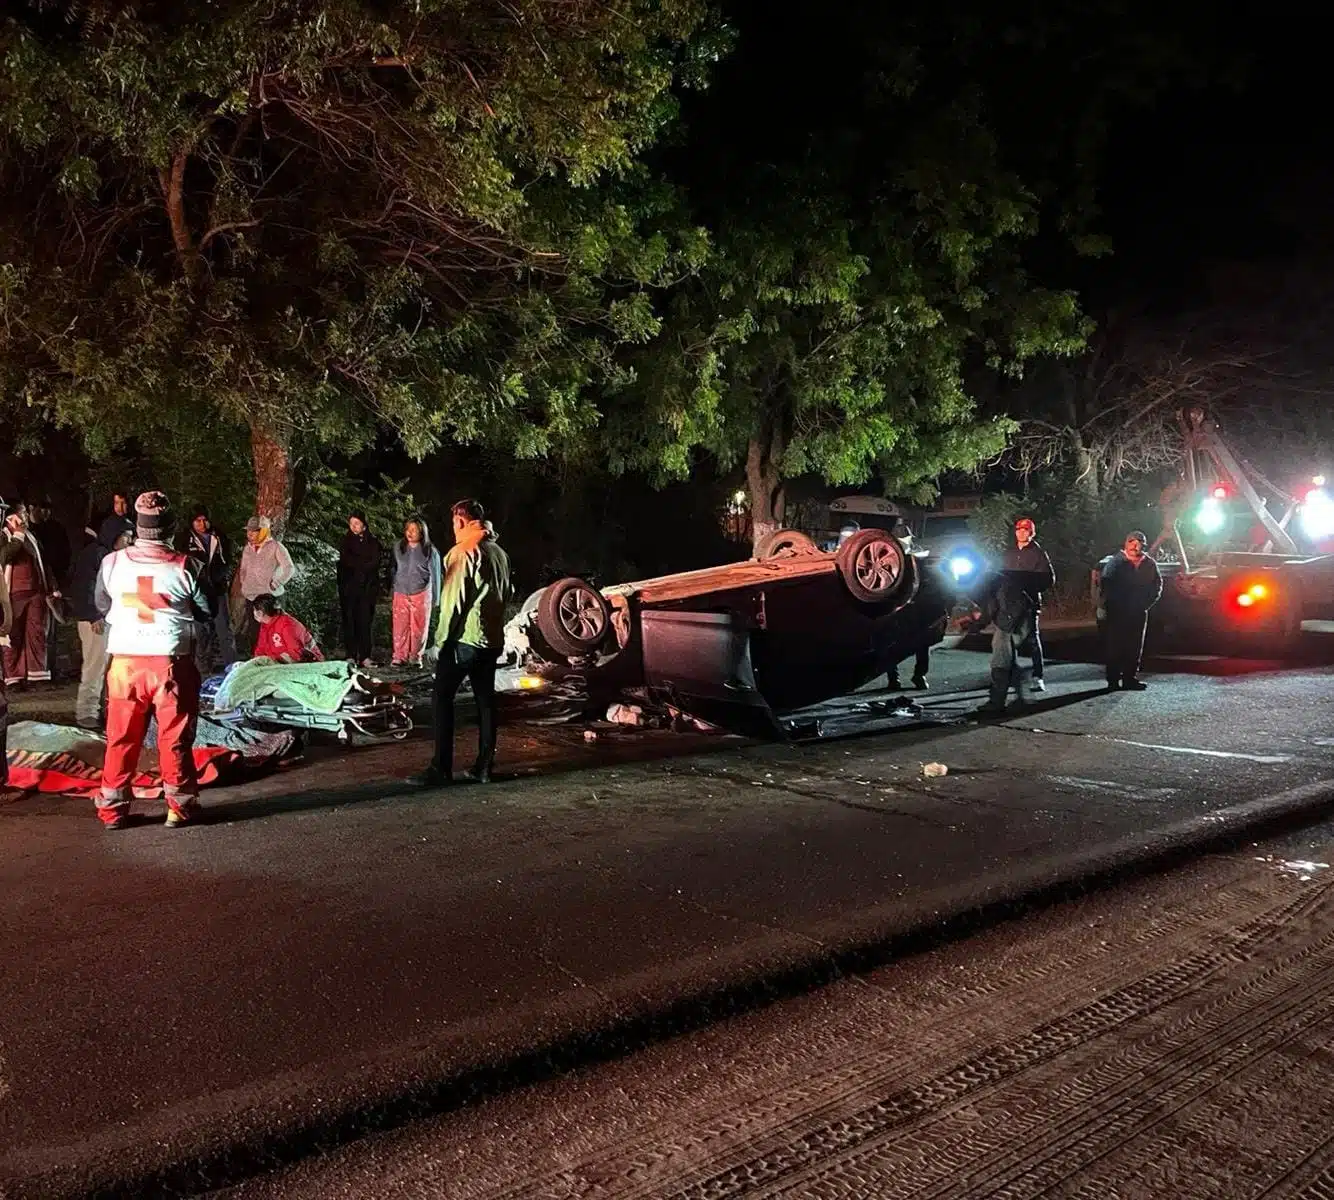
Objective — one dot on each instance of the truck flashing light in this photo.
(1220, 492)
(1252, 595)
(1211, 517)
(1317, 515)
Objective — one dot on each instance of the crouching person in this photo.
(281, 636)
(150, 597)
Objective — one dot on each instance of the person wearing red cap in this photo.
(1028, 565)
(151, 596)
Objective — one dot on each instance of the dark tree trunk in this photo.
(271, 453)
(764, 482)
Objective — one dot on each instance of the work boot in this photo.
(992, 708)
(1134, 685)
(433, 776)
(178, 817)
(478, 773)
(117, 822)
(919, 683)
(1113, 685)
(892, 684)
(1038, 685)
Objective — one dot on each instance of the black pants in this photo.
(358, 605)
(1124, 633)
(921, 664)
(457, 663)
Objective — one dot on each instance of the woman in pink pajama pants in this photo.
(416, 591)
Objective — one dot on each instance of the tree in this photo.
(311, 220)
(1114, 412)
(897, 195)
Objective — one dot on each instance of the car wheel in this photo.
(873, 566)
(573, 617)
(785, 543)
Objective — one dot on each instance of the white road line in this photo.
(1102, 737)
(1111, 785)
(1259, 758)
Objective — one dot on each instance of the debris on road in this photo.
(935, 770)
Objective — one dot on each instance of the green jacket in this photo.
(474, 591)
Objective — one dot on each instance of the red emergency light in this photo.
(1251, 596)
(1221, 491)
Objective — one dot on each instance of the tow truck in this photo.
(1251, 587)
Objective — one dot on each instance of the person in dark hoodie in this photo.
(1009, 608)
(359, 558)
(90, 704)
(416, 591)
(207, 549)
(118, 521)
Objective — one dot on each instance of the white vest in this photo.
(151, 613)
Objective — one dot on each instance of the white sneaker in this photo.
(1039, 685)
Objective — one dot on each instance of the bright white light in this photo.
(960, 567)
(1318, 515)
(1319, 481)
(739, 498)
(1211, 517)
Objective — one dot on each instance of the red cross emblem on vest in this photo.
(145, 599)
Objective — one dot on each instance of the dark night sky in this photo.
(1223, 175)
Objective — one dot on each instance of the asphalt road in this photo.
(1166, 1038)
(335, 953)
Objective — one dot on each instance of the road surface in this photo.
(337, 953)
(1170, 1038)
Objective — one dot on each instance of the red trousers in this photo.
(138, 686)
(25, 656)
(410, 616)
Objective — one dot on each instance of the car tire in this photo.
(573, 617)
(785, 543)
(874, 566)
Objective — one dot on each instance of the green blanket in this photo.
(318, 686)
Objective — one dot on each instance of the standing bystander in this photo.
(416, 591)
(1027, 563)
(1131, 584)
(81, 595)
(265, 570)
(205, 547)
(469, 635)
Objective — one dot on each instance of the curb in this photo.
(255, 1153)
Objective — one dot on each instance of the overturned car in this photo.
(739, 643)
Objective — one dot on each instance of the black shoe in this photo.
(991, 708)
(893, 684)
(431, 777)
(1134, 685)
(476, 774)
(919, 683)
(1113, 685)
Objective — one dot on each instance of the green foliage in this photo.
(312, 593)
(322, 220)
(868, 271)
(331, 496)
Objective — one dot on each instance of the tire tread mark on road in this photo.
(784, 1116)
(1121, 1098)
(985, 1071)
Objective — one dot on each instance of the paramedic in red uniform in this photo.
(151, 597)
